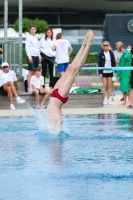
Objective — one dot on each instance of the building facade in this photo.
(73, 16)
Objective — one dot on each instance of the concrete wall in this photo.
(93, 100)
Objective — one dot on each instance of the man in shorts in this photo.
(63, 51)
(8, 81)
(32, 51)
(36, 84)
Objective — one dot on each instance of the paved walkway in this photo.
(114, 108)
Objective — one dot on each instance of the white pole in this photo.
(5, 28)
(20, 36)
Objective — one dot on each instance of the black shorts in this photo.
(31, 67)
(2, 91)
(108, 75)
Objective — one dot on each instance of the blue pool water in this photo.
(91, 160)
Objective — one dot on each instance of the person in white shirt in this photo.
(7, 80)
(36, 84)
(117, 52)
(33, 52)
(48, 56)
(63, 51)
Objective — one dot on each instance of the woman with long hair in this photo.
(47, 54)
(60, 93)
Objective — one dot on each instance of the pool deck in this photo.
(107, 109)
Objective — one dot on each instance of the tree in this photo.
(41, 25)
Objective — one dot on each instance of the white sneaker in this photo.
(19, 100)
(109, 102)
(104, 102)
(12, 107)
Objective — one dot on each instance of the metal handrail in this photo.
(108, 68)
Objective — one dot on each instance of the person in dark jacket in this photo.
(106, 59)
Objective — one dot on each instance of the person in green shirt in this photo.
(124, 75)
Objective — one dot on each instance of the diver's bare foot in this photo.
(85, 39)
(90, 37)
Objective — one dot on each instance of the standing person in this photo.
(8, 82)
(117, 54)
(106, 59)
(37, 83)
(47, 54)
(1, 50)
(33, 52)
(113, 78)
(129, 47)
(63, 51)
(130, 106)
(124, 75)
(61, 89)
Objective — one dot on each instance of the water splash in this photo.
(45, 128)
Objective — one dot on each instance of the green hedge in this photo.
(91, 58)
(40, 24)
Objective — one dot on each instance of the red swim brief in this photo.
(56, 94)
